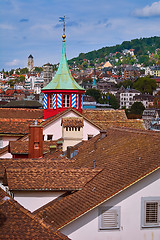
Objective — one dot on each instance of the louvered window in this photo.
(109, 218)
(151, 212)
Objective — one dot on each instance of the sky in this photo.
(33, 27)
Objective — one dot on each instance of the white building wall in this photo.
(5, 140)
(55, 128)
(6, 155)
(86, 227)
(33, 200)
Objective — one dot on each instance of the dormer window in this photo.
(66, 100)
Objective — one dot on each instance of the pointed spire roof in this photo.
(94, 84)
(63, 78)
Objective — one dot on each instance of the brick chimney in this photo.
(35, 141)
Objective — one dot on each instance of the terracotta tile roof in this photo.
(112, 118)
(21, 147)
(49, 179)
(15, 126)
(21, 113)
(53, 163)
(72, 122)
(126, 156)
(18, 223)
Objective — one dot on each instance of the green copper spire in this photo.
(63, 78)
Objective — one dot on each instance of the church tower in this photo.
(63, 91)
(30, 62)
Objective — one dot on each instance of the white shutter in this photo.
(110, 218)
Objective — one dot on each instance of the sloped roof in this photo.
(21, 147)
(126, 156)
(61, 114)
(16, 126)
(49, 179)
(112, 118)
(107, 64)
(72, 122)
(63, 78)
(18, 223)
(21, 113)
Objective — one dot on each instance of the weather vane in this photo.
(62, 19)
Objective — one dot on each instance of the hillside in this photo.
(144, 51)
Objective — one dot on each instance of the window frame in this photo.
(66, 100)
(144, 201)
(102, 210)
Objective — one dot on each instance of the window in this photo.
(66, 100)
(90, 136)
(49, 137)
(50, 101)
(151, 212)
(109, 218)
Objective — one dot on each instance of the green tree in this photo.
(145, 85)
(110, 99)
(94, 93)
(137, 108)
(23, 70)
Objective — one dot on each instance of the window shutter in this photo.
(110, 219)
(45, 101)
(54, 101)
(59, 100)
(73, 100)
(81, 101)
(151, 212)
(77, 101)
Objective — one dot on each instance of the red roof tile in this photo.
(126, 156)
(18, 223)
(49, 179)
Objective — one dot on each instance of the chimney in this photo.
(103, 134)
(69, 151)
(35, 141)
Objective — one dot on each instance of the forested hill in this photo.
(143, 48)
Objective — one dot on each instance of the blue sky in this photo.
(32, 27)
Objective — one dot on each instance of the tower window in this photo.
(66, 100)
(50, 101)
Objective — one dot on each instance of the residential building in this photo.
(131, 72)
(126, 96)
(47, 73)
(145, 99)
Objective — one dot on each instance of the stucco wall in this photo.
(55, 128)
(6, 155)
(34, 200)
(7, 139)
(86, 227)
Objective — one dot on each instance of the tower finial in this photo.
(62, 19)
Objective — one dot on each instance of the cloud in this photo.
(6, 26)
(24, 20)
(13, 63)
(148, 11)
